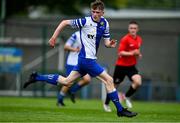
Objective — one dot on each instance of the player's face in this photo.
(133, 29)
(96, 14)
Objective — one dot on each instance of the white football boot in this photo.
(107, 108)
(128, 102)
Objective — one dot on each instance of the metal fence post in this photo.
(3, 15)
(44, 49)
(178, 84)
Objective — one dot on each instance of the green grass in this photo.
(20, 109)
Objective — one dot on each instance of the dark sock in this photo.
(107, 101)
(130, 92)
(75, 88)
(60, 96)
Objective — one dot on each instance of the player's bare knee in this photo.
(138, 83)
(110, 82)
(137, 80)
(87, 79)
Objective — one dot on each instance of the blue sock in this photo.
(60, 97)
(75, 88)
(49, 78)
(115, 99)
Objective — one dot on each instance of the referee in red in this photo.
(128, 53)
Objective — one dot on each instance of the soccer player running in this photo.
(73, 46)
(128, 53)
(92, 29)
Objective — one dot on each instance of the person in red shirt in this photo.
(128, 54)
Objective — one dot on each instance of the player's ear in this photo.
(137, 29)
(102, 12)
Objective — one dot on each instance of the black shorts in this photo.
(121, 71)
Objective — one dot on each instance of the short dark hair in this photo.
(98, 4)
(133, 22)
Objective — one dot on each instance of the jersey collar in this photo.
(94, 20)
(132, 36)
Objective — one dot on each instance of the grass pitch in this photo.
(20, 109)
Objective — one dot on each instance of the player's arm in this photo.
(60, 27)
(122, 50)
(69, 48)
(135, 52)
(70, 42)
(139, 55)
(110, 43)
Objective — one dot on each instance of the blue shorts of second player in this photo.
(88, 66)
(69, 68)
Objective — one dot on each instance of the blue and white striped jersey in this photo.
(91, 33)
(73, 41)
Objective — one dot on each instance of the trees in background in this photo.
(74, 7)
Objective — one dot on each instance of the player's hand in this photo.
(77, 49)
(139, 56)
(52, 42)
(113, 43)
(136, 52)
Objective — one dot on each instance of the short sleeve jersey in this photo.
(128, 43)
(73, 41)
(91, 33)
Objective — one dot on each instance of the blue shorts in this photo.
(69, 68)
(88, 66)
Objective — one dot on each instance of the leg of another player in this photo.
(136, 83)
(61, 94)
(84, 81)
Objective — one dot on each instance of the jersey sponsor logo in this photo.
(90, 36)
(50, 76)
(102, 23)
(131, 45)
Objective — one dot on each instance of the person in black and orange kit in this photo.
(128, 53)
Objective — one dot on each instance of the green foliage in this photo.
(121, 3)
(151, 4)
(18, 109)
(74, 7)
(67, 7)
